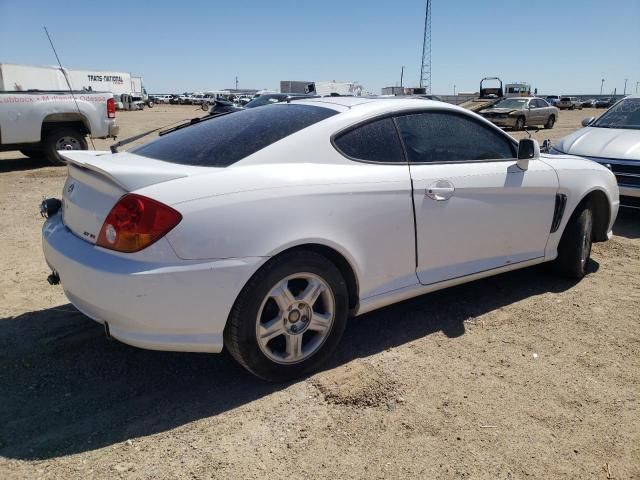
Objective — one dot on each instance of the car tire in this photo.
(31, 152)
(64, 138)
(520, 121)
(260, 329)
(572, 107)
(550, 122)
(574, 249)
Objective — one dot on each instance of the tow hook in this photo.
(54, 278)
(49, 207)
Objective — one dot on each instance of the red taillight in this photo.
(135, 222)
(111, 108)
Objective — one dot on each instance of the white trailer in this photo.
(15, 77)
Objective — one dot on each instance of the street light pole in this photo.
(637, 83)
(625, 87)
(601, 85)
(454, 90)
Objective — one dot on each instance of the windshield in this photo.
(224, 140)
(512, 103)
(624, 114)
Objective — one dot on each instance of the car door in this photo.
(384, 222)
(475, 209)
(536, 113)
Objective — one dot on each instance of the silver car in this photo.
(612, 140)
(521, 111)
(570, 103)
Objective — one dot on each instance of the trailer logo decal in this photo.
(106, 78)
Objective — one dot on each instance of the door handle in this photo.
(440, 191)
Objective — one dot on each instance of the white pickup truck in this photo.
(39, 123)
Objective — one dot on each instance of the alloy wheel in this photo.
(295, 318)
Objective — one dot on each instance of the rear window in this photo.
(222, 141)
(376, 141)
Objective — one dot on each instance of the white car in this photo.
(612, 140)
(263, 230)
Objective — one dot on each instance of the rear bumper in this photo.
(173, 305)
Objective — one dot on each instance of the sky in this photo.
(559, 47)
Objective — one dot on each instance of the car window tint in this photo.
(375, 141)
(224, 140)
(451, 137)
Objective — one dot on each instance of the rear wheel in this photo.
(63, 138)
(550, 122)
(574, 249)
(519, 123)
(289, 317)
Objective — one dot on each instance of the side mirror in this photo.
(528, 149)
(588, 121)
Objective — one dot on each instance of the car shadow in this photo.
(628, 223)
(67, 389)
(20, 164)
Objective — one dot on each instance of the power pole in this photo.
(236, 82)
(401, 76)
(637, 84)
(625, 87)
(425, 68)
(601, 85)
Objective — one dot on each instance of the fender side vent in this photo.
(558, 211)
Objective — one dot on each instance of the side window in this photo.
(375, 141)
(450, 137)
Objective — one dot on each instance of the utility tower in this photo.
(425, 68)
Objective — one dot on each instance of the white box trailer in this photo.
(15, 77)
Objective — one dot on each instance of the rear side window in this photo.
(375, 141)
(222, 141)
(450, 137)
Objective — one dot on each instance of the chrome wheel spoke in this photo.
(312, 292)
(282, 296)
(271, 329)
(294, 347)
(320, 322)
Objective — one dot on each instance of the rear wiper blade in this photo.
(188, 123)
(193, 121)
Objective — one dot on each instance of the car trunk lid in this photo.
(97, 180)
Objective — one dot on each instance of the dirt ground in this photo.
(523, 375)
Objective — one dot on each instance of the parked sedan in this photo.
(590, 103)
(263, 231)
(570, 103)
(612, 140)
(519, 112)
(604, 102)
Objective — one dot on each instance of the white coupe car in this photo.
(262, 231)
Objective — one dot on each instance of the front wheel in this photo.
(574, 249)
(63, 138)
(289, 317)
(519, 124)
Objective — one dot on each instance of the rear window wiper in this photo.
(193, 121)
(188, 123)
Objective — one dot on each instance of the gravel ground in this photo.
(523, 375)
